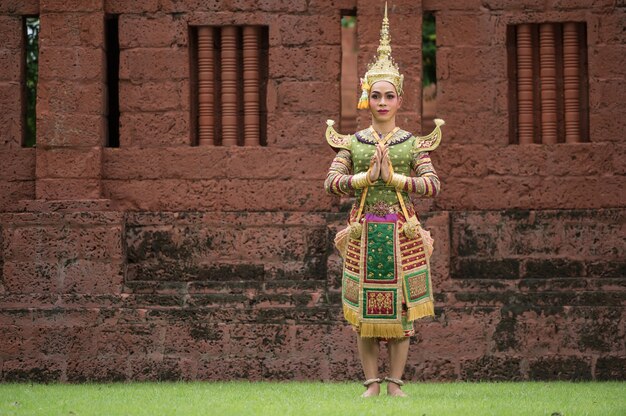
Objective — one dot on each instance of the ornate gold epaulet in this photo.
(336, 140)
(430, 142)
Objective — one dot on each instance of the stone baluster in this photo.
(525, 84)
(547, 57)
(251, 121)
(206, 85)
(229, 86)
(571, 74)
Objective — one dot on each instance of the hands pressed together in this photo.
(380, 165)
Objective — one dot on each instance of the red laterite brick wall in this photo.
(163, 260)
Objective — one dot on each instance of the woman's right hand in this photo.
(374, 171)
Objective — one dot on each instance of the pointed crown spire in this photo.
(384, 46)
(383, 68)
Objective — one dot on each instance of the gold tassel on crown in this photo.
(383, 69)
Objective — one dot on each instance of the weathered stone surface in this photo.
(66, 162)
(431, 369)
(71, 63)
(288, 6)
(606, 269)
(70, 130)
(71, 5)
(229, 368)
(143, 130)
(29, 277)
(10, 28)
(561, 368)
(598, 329)
(553, 268)
(309, 96)
(10, 68)
(312, 63)
(162, 30)
(490, 368)
(98, 368)
(72, 29)
(303, 30)
(219, 195)
(486, 269)
(143, 64)
(553, 243)
(190, 263)
(149, 96)
(611, 368)
(69, 97)
(14, 341)
(32, 370)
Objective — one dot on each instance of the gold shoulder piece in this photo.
(430, 142)
(336, 140)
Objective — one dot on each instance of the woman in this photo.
(386, 273)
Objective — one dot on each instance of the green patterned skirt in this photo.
(386, 282)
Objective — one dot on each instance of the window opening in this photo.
(229, 85)
(349, 71)
(429, 72)
(548, 88)
(31, 75)
(113, 79)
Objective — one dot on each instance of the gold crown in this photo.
(383, 69)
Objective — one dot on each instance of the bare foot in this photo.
(395, 390)
(372, 391)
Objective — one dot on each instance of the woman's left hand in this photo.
(385, 163)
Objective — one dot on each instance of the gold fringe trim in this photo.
(368, 330)
(420, 311)
(351, 315)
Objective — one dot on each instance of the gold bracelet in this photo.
(360, 180)
(398, 180)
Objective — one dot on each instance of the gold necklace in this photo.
(386, 137)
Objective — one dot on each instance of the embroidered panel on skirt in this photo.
(414, 269)
(380, 303)
(416, 280)
(418, 286)
(380, 289)
(351, 272)
(380, 246)
(351, 289)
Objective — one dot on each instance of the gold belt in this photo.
(381, 208)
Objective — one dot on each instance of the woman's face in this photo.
(384, 101)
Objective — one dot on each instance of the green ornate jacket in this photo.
(407, 153)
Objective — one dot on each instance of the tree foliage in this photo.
(429, 50)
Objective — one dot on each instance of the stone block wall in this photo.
(304, 64)
(144, 296)
(163, 260)
(17, 175)
(480, 169)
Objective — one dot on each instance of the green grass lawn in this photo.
(309, 398)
